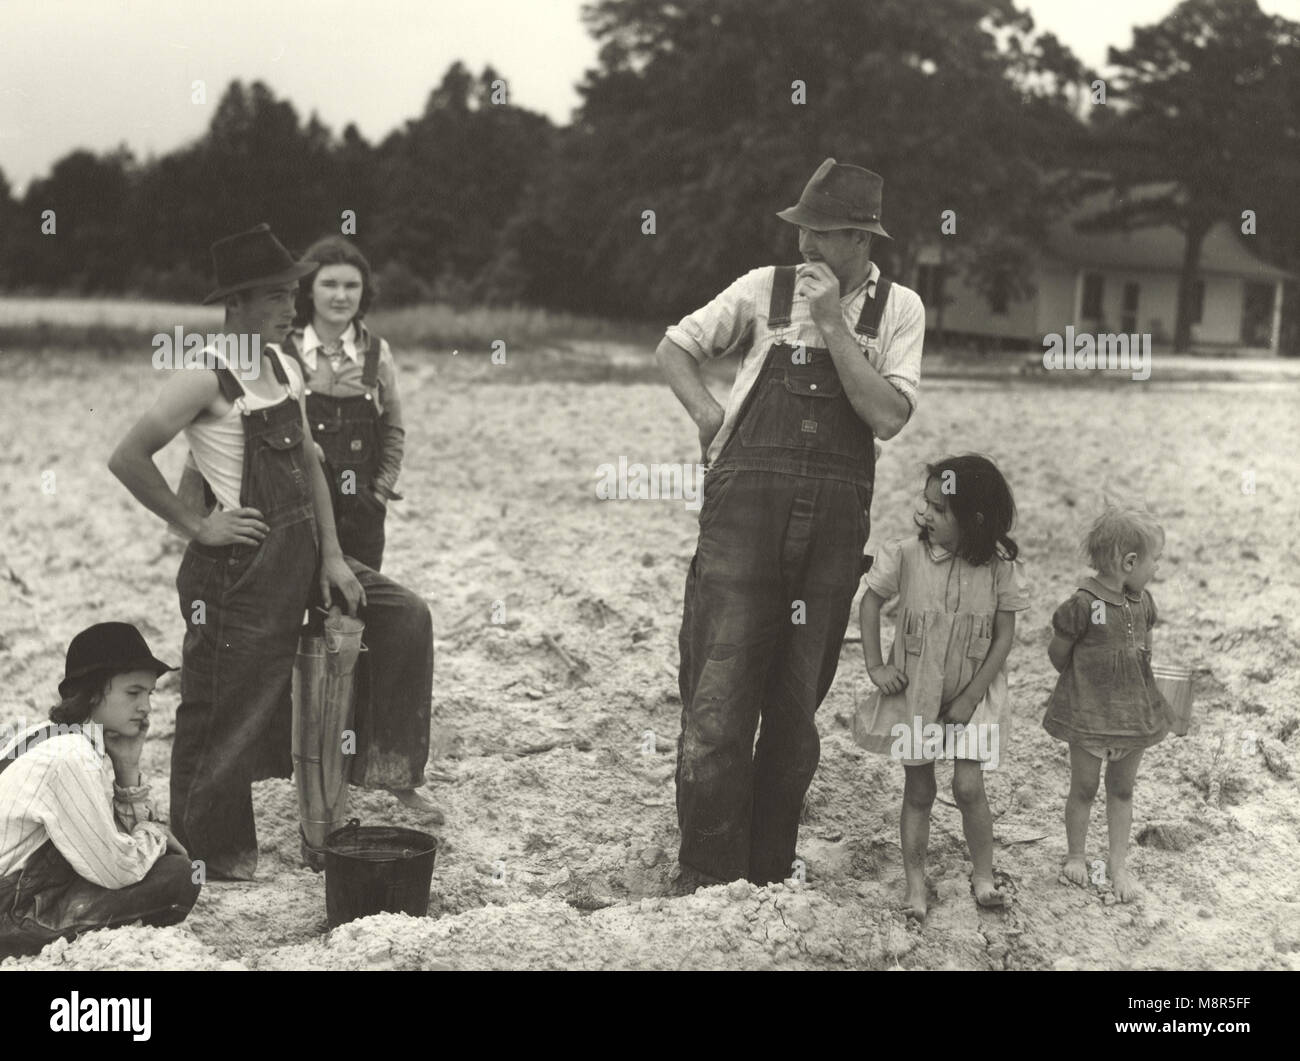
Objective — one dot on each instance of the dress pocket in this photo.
(981, 638)
(913, 633)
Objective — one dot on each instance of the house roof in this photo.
(1158, 249)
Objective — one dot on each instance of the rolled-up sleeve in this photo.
(883, 578)
(717, 327)
(900, 357)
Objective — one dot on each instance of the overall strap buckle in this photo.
(370, 367)
(873, 309)
(778, 309)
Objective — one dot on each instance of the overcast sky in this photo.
(95, 73)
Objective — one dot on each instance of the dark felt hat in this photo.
(839, 196)
(253, 259)
(108, 648)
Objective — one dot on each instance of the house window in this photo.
(1093, 287)
(1128, 321)
(1198, 301)
(929, 282)
(1000, 293)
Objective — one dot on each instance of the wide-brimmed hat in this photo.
(108, 648)
(253, 259)
(839, 196)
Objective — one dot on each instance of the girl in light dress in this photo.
(943, 691)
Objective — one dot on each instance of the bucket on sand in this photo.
(1175, 685)
(377, 869)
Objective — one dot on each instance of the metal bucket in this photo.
(1175, 685)
(377, 869)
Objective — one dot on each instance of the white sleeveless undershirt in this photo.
(217, 442)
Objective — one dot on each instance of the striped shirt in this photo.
(715, 330)
(63, 790)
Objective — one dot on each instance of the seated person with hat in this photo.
(81, 846)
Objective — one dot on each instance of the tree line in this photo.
(700, 121)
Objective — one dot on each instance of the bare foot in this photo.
(412, 800)
(1124, 885)
(987, 894)
(1075, 870)
(914, 903)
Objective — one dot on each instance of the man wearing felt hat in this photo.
(830, 362)
(247, 576)
(81, 846)
(262, 551)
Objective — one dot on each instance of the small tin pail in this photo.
(1175, 684)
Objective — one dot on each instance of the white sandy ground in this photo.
(501, 506)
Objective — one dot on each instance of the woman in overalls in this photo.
(352, 397)
(81, 846)
(356, 420)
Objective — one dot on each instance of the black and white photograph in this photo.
(657, 485)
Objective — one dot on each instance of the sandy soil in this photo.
(502, 507)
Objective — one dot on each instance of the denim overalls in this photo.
(785, 518)
(347, 430)
(47, 899)
(233, 724)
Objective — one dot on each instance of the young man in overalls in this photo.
(247, 575)
(831, 355)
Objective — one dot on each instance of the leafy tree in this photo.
(691, 114)
(450, 180)
(1205, 106)
(88, 194)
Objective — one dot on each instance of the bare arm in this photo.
(876, 401)
(683, 374)
(886, 677)
(1004, 633)
(184, 396)
(1059, 652)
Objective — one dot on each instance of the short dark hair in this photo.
(332, 250)
(86, 694)
(982, 505)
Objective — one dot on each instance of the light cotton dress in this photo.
(944, 630)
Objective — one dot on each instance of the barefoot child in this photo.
(959, 586)
(1106, 704)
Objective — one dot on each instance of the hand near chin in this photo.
(125, 749)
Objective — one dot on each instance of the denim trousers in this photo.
(47, 900)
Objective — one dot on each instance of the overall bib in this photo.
(233, 726)
(47, 899)
(784, 520)
(347, 430)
